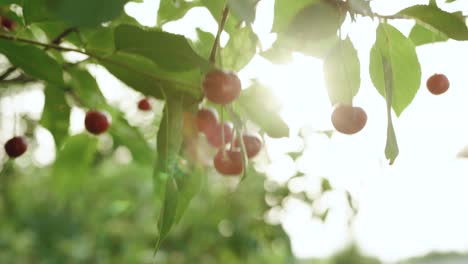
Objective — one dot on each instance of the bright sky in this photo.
(413, 207)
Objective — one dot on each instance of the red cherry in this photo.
(252, 142)
(221, 87)
(438, 84)
(96, 122)
(16, 146)
(228, 162)
(348, 119)
(207, 120)
(214, 136)
(7, 23)
(144, 105)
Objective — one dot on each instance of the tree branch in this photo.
(22, 79)
(57, 40)
(218, 34)
(100, 58)
(45, 45)
(7, 73)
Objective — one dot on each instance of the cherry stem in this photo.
(234, 134)
(238, 125)
(222, 131)
(218, 34)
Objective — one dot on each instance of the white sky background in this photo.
(416, 206)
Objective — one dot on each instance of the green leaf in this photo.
(326, 186)
(169, 142)
(169, 51)
(216, 8)
(400, 52)
(286, 10)
(243, 9)
(73, 164)
(264, 114)
(36, 11)
(240, 49)
(277, 54)
(439, 20)
(143, 75)
(170, 10)
(124, 134)
(86, 13)
(167, 216)
(342, 72)
(421, 35)
(203, 43)
(360, 7)
(316, 21)
(281, 50)
(9, 2)
(84, 85)
(99, 40)
(56, 113)
(391, 147)
(189, 183)
(33, 61)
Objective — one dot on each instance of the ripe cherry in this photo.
(7, 23)
(348, 119)
(214, 136)
(15, 147)
(96, 122)
(221, 87)
(207, 120)
(228, 162)
(144, 105)
(252, 142)
(437, 84)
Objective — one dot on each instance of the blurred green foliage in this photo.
(113, 220)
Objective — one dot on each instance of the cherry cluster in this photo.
(227, 161)
(223, 87)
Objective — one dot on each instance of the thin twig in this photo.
(55, 41)
(7, 73)
(45, 45)
(102, 59)
(347, 6)
(20, 80)
(218, 34)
